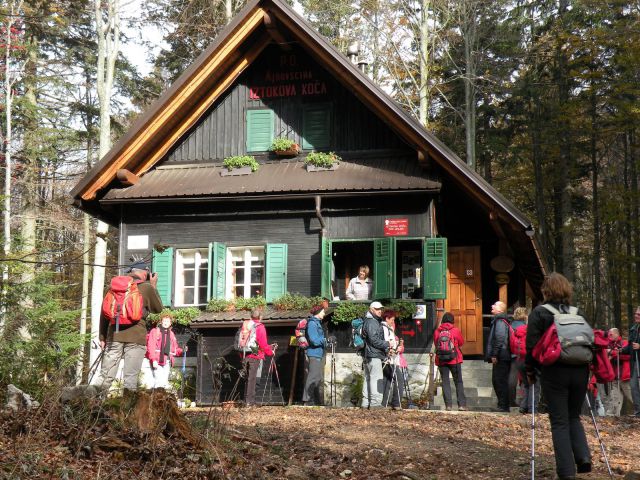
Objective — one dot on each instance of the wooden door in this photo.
(464, 299)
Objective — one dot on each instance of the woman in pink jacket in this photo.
(162, 348)
(448, 340)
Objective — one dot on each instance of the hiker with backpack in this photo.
(376, 351)
(448, 340)
(123, 333)
(564, 372)
(517, 375)
(392, 367)
(498, 353)
(313, 391)
(251, 342)
(162, 349)
(633, 350)
(621, 389)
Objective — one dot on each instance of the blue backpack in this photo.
(357, 335)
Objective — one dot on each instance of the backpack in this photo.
(446, 347)
(569, 340)
(601, 367)
(123, 303)
(301, 334)
(517, 342)
(245, 340)
(357, 335)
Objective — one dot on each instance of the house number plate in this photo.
(469, 272)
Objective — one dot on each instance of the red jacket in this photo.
(261, 340)
(458, 341)
(614, 353)
(154, 337)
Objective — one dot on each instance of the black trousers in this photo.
(564, 388)
(456, 373)
(500, 380)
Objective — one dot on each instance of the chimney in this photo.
(362, 65)
(353, 51)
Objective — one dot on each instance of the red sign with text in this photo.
(394, 227)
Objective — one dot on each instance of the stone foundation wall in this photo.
(349, 377)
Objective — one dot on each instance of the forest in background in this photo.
(538, 96)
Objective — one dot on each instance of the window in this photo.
(245, 272)
(192, 267)
(259, 130)
(316, 127)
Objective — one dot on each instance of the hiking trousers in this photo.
(392, 385)
(373, 386)
(132, 354)
(500, 380)
(456, 373)
(161, 375)
(253, 364)
(564, 387)
(635, 387)
(313, 386)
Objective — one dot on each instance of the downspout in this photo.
(320, 218)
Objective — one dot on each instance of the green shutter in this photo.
(259, 130)
(276, 273)
(435, 268)
(316, 127)
(383, 268)
(218, 266)
(162, 264)
(325, 269)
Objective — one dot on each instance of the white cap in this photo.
(376, 305)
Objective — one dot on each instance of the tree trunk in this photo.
(470, 41)
(424, 63)
(627, 225)
(597, 284)
(108, 32)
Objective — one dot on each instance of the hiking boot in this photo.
(462, 408)
(523, 410)
(448, 408)
(583, 466)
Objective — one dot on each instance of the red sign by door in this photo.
(394, 227)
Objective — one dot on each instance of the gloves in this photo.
(531, 376)
(331, 339)
(155, 364)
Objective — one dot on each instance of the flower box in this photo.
(235, 171)
(292, 151)
(313, 168)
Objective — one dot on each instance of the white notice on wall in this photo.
(421, 312)
(137, 242)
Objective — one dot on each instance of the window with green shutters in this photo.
(162, 264)
(316, 127)
(435, 268)
(217, 270)
(326, 273)
(276, 279)
(260, 128)
(384, 260)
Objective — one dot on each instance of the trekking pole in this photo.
(332, 391)
(595, 425)
(94, 366)
(184, 370)
(533, 431)
(394, 386)
(407, 388)
(275, 369)
(268, 382)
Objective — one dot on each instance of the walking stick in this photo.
(333, 394)
(595, 425)
(184, 370)
(293, 374)
(533, 431)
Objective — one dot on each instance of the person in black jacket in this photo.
(563, 386)
(499, 354)
(633, 350)
(376, 350)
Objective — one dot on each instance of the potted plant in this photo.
(239, 165)
(284, 147)
(319, 161)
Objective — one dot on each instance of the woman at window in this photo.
(360, 287)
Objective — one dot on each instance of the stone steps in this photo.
(478, 389)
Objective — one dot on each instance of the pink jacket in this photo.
(154, 337)
(458, 341)
(261, 339)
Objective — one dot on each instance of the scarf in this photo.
(165, 344)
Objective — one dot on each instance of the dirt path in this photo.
(319, 443)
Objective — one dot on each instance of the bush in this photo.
(295, 301)
(406, 310)
(218, 305)
(250, 303)
(321, 159)
(241, 161)
(182, 316)
(347, 311)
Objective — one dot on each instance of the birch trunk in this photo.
(424, 63)
(108, 32)
(470, 41)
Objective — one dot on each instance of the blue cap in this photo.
(138, 265)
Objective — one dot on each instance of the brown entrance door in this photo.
(464, 299)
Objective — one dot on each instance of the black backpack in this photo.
(446, 347)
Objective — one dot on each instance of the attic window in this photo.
(316, 126)
(259, 129)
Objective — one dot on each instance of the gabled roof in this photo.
(260, 23)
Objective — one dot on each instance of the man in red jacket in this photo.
(620, 388)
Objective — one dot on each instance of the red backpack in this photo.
(301, 334)
(601, 366)
(446, 347)
(123, 303)
(517, 342)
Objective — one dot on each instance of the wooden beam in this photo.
(201, 78)
(126, 178)
(272, 29)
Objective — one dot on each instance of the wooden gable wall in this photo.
(222, 131)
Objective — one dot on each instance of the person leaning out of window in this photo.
(360, 287)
